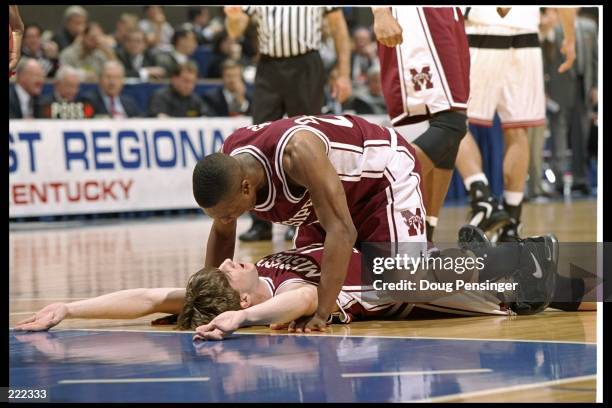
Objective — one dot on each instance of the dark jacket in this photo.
(15, 106)
(148, 60)
(99, 108)
(217, 104)
(167, 101)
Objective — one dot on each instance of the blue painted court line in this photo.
(117, 366)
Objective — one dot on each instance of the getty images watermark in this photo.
(458, 265)
(533, 272)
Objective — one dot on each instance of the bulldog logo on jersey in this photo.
(415, 223)
(421, 78)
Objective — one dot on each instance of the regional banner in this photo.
(62, 167)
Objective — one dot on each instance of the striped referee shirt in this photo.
(288, 31)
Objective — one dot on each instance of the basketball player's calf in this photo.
(437, 150)
(486, 213)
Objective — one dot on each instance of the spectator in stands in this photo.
(138, 61)
(75, 20)
(370, 100)
(107, 100)
(89, 53)
(24, 100)
(231, 99)
(363, 56)
(184, 43)
(126, 24)
(179, 100)
(200, 22)
(157, 30)
(64, 102)
(224, 47)
(46, 53)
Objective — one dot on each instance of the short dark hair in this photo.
(188, 66)
(229, 63)
(194, 11)
(181, 32)
(208, 294)
(213, 178)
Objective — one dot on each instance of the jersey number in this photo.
(338, 121)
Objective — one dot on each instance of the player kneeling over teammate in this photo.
(282, 288)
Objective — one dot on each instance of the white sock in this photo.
(476, 177)
(432, 221)
(514, 198)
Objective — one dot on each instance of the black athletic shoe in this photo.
(487, 213)
(536, 275)
(470, 237)
(258, 232)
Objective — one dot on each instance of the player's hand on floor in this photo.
(308, 324)
(279, 326)
(45, 319)
(221, 326)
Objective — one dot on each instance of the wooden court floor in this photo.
(70, 261)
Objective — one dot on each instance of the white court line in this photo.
(339, 335)
(505, 389)
(432, 372)
(133, 380)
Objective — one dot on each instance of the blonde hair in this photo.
(208, 294)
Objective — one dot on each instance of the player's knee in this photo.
(441, 141)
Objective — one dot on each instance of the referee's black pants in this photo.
(292, 86)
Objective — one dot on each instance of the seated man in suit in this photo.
(178, 99)
(138, 61)
(185, 44)
(107, 100)
(64, 102)
(24, 97)
(231, 99)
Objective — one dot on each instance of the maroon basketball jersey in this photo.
(359, 151)
(356, 301)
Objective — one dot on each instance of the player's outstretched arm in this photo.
(124, 304)
(298, 301)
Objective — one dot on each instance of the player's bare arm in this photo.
(306, 164)
(296, 301)
(221, 242)
(386, 28)
(124, 304)
(567, 15)
(341, 86)
(236, 21)
(17, 32)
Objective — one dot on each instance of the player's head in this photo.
(221, 187)
(212, 291)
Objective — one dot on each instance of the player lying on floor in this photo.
(280, 288)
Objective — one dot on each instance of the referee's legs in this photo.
(267, 106)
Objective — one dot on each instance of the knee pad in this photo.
(441, 141)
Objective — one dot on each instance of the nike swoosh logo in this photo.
(538, 272)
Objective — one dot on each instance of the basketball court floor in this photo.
(550, 357)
